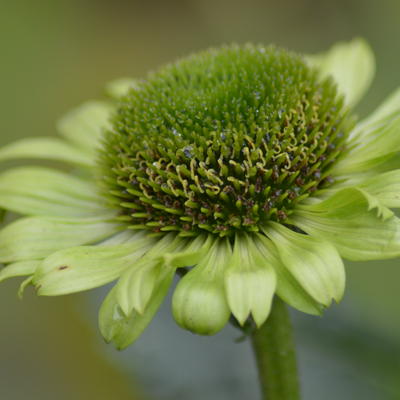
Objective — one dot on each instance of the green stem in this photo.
(276, 358)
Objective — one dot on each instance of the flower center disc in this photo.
(222, 141)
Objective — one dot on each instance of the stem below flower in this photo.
(275, 354)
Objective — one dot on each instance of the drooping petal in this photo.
(37, 237)
(135, 288)
(86, 267)
(21, 268)
(385, 187)
(123, 330)
(43, 148)
(84, 125)
(354, 225)
(250, 282)
(47, 192)
(120, 87)
(136, 285)
(352, 66)
(313, 262)
(199, 302)
(288, 288)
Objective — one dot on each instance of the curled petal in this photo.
(199, 303)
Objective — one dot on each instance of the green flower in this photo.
(241, 169)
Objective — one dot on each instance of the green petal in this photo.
(187, 251)
(352, 66)
(288, 288)
(385, 187)
(379, 143)
(43, 148)
(120, 87)
(84, 125)
(37, 237)
(46, 192)
(86, 267)
(135, 288)
(136, 285)
(123, 330)
(21, 268)
(250, 282)
(349, 221)
(119, 238)
(390, 107)
(199, 303)
(314, 263)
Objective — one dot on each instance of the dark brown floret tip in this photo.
(223, 141)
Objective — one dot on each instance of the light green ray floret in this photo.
(70, 238)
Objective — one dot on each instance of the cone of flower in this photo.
(243, 170)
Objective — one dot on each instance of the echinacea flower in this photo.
(241, 169)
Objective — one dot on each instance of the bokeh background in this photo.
(56, 54)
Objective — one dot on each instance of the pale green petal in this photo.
(187, 252)
(37, 237)
(123, 330)
(288, 288)
(85, 125)
(380, 142)
(136, 285)
(390, 107)
(120, 87)
(385, 187)
(313, 262)
(349, 221)
(21, 268)
(376, 204)
(125, 236)
(47, 192)
(250, 282)
(352, 65)
(44, 148)
(86, 267)
(199, 302)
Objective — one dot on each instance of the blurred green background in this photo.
(56, 54)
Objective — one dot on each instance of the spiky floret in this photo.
(223, 141)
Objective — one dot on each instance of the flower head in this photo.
(242, 169)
